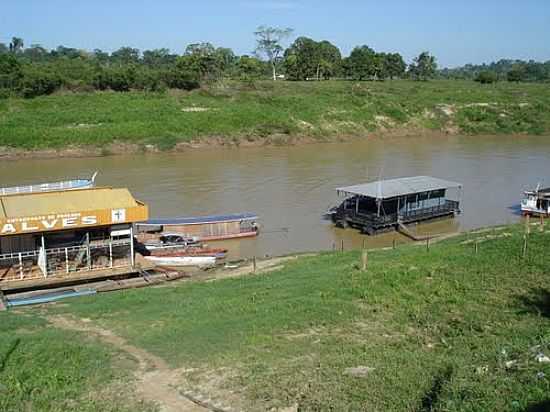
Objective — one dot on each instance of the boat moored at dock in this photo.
(536, 202)
(50, 187)
(204, 228)
(385, 205)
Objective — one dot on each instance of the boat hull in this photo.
(182, 261)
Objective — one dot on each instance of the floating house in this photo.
(203, 228)
(536, 202)
(74, 234)
(388, 204)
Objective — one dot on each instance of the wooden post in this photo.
(476, 243)
(364, 259)
(541, 223)
(527, 225)
(254, 264)
(21, 275)
(524, 251)
(342, 246)
(428, 244)
(333, 246)
(393, 244)
(132, 253)
(67, 260)
(111, 253)
(88, 252)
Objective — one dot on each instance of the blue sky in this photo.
(457, 32)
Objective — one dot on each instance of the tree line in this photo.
(34, 70)
(502, 70)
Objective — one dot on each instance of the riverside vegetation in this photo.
(236, 112)
(455, 328)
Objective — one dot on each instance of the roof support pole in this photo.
(88, 251)
(132, 257)
(45, 256)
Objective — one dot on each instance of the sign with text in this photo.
(66, 221)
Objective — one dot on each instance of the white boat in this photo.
(50, 187)
(183, 261)
(536, 202)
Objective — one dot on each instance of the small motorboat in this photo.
(168, 241)
(536, 202)
(183, 261)
(50, 187)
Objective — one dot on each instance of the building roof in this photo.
(50, 211)
(386, 189)
(199, 220)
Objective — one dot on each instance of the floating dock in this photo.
(390, 204)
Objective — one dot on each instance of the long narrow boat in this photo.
(50, 187)
(183, 261)
(191, 251)
(203, 228)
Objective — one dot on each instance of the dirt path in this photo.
(156, 381)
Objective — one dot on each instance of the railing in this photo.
(448, 207)
(25, 265)
(46, 187)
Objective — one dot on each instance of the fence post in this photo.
(527, 225)
(364, 259)
(21, 266)
(67, 269)
(476, 243)
(541, 223)
(342, 246)
(524, 251)
(428, 244)
(254, 264)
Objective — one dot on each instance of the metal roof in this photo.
(200, 220)
(386, 189)
(71, 201)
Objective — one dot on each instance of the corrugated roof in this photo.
(386, 189)
(200, 219)
(72, 201)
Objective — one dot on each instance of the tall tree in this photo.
(158, 57)
(269, 44)
(16, 44)
(362, 63)
(330, 60)
(424, 66)
(395, 66)
(301, 59)
(126, 55)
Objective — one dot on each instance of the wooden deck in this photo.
(72, 278)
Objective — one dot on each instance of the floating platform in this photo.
(389, 204)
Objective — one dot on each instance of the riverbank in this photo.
(457, 328)
(265, 113)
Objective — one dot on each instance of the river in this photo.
(291, 187)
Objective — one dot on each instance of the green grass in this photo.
(263, 109)
(438, 328)
(46, 369)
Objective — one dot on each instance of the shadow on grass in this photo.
(543, 406)
(537, 302)
(4, 360)
(430, 398)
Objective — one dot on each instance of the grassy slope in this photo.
(45, 369)
(437, 327)
(264, 108)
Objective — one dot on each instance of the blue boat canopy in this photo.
(200, 220)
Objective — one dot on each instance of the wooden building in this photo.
(384, 205)
(44, 236)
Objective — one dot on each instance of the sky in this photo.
(455, 31)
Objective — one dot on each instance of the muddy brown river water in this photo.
(291, 187)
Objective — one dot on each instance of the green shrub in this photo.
(37, 83)
(486, 77)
